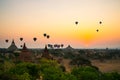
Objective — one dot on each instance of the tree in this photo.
(24, 76)
(25, 69)
(86, 73)
(80, 61)
(8, 65)
(111, 76)
(68, 76)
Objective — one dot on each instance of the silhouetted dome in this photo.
(69, 47)
(12, 47)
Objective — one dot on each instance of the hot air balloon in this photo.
(100, 22)
(55, 45)
(44, 34)
(49, 45)
(48, 36)
(21, 39)
(62, 45)
(58, 46)
(76, 22)
(21, 46)
(34, 38)
(97, 30)
(6, 40)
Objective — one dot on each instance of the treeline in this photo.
(97, 54)
(51, 70)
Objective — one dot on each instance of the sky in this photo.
(33, 18)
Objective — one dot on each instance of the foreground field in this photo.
(107, 65)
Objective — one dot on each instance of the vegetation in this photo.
(80, 61)
(44, 69)
(51, 70)
(86, 73)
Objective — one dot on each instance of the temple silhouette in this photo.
(46, 54)
(12, 47)
(25, 54)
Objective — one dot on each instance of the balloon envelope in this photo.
(44, 34)
(21, 39)
(58, 46)
(48, 36)
(97, 30)
(55, 45)
(49, 45)
(100, 22)
(62, 45)
(6, 40)
(76, 22)
(21, 46)
(34, 38)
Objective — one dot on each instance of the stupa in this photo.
(46, 54)
(12, 47)
(25, 54)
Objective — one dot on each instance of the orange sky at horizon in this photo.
(33, 18)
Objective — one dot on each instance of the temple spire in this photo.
(46, 54)
(46, 50)
(13, 43)
(25, 54)
(24, 47)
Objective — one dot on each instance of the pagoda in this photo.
(12, 47)
(25, 54)
(46, 54)
(69, 47)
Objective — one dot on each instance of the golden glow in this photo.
(57, 18)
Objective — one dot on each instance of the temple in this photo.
(46, 54)
(25, 54)
(12, 47)
(69, 47)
